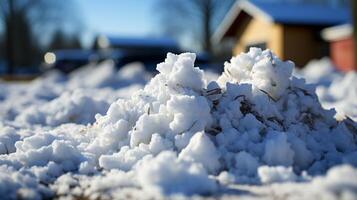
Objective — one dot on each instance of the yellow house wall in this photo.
(256, 31)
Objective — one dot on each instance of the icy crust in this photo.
(181, 135)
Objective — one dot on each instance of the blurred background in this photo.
(53, 52)
(38, 35)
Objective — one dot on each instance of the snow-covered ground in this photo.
(253, 132)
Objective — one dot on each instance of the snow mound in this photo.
(335, 89)
(341, 95)
(105, 74)
(256, 107)
(256, 124)
(99, 82)
(70, 107)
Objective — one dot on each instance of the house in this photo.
(342, 51)
(291, 30)
(124, 50)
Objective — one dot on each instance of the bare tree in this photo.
(25, 22)
(193, 19)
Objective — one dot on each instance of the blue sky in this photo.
(119, 17)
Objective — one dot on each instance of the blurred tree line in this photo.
(28, 28)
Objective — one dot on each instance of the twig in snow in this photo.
(193, 124)
(272, 98)
(148, 112)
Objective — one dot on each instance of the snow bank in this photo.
(54, 94)
(105, 74)
(70, 107)
(179, 134)
(341, 95)
(334, 89)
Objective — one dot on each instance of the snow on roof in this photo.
(304, 13)
(285, 13)
(337, 32)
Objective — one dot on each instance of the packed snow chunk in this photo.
(278, 150)
(180, 70)
(226, 178)
(190, 113)
(8, 137)
(67, 181)
(67, 155)
(39, 150)
(125, 159)
(276, 174)
(159, 144)
(34, 142)
(303, 157)
(146, 126)
(260, 68)
(169, 175)
(14, 185)
(246, 163)
(202, 150)
(114, 136)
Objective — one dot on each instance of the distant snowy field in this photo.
(253, 132)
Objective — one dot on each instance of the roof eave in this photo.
(337, 32)
(226, 22)
(237, 8)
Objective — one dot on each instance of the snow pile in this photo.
(334, 89)
(180, 135)
(341, 95)
(322, 72)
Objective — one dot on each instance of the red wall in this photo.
(342, 54)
